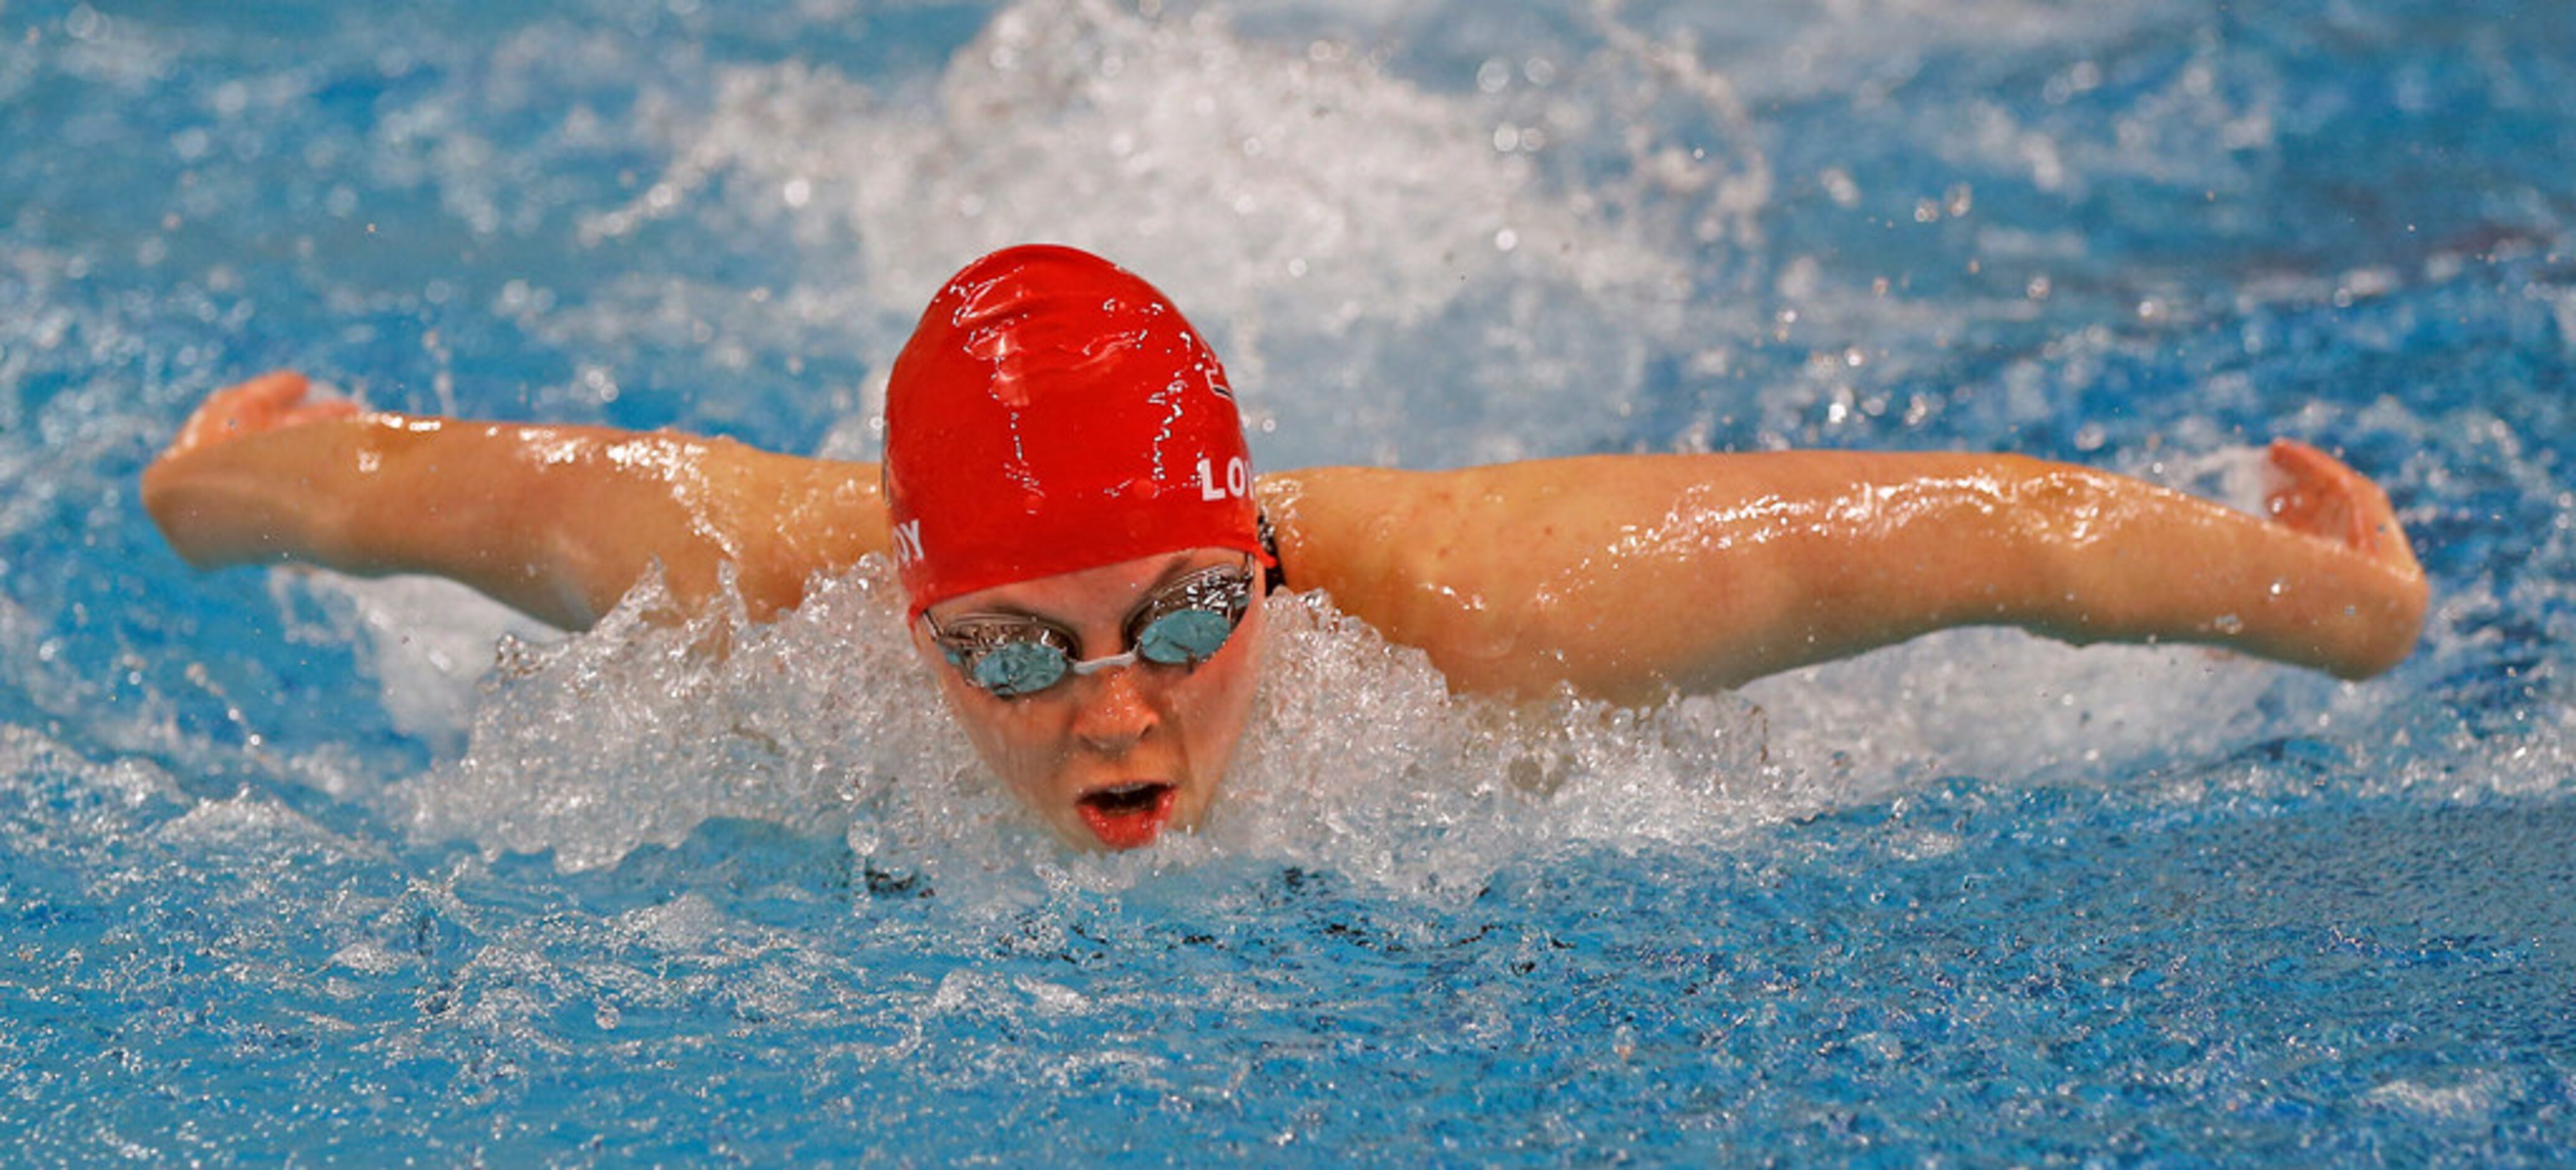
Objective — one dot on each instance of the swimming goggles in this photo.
(1181, 624)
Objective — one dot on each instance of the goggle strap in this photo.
(1096, 665)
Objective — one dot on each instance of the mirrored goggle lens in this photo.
(1029, 663)
(1184, 637)
(1019, 667)
(1191, 621)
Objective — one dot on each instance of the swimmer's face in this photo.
(1112, 758)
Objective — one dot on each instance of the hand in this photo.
(2315, 493)
(271, 401)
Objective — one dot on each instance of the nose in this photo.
(1114, 714)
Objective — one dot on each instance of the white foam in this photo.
(427, 641)
(637, 732)
(2005, 705)
(2476, 1097)
(1359, 760)
(109, 800)
(1339, 230)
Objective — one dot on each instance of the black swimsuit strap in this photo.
(1273, 579)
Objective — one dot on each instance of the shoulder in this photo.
(1320, 521)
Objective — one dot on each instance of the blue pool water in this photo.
(293, 866)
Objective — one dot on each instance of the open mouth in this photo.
(1128, 815)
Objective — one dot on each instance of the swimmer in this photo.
(1071, 508)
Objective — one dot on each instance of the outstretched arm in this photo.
(555, 521)
(1627, 575)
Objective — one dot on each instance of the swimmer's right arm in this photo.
(557, 522)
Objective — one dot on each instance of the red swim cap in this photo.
(1052, 413)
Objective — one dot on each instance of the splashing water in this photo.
(1359, 760)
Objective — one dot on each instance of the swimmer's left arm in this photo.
(1628, 577)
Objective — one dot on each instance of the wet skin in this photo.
(1112, 759)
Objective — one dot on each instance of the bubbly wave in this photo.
(1359, 760)
(1332, 224)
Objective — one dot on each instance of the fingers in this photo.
(2318, 494)
(318, 412)
(274, 389)
(2311, 493)
(233, 409)
(267, 402)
